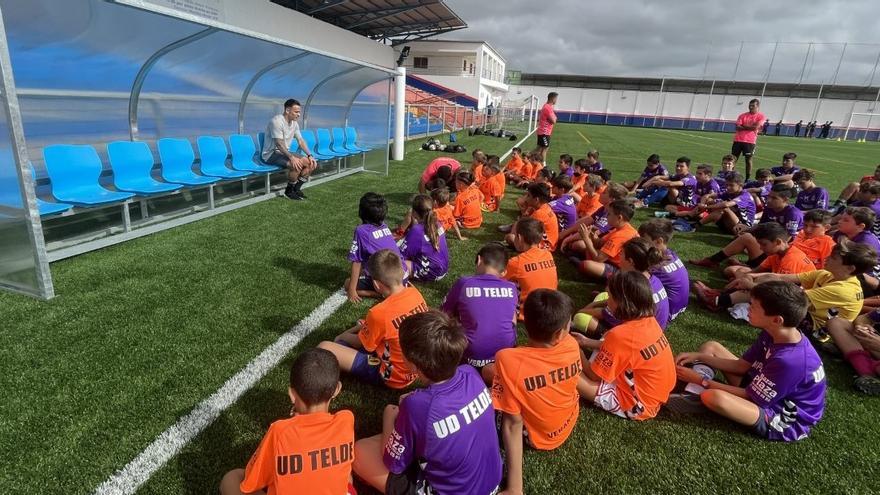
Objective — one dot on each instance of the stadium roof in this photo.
(397, 21)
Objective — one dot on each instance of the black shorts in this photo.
(410, 482)
(278, 159)
(543, 141)
(740, 148)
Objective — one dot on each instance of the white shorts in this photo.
(606, 399)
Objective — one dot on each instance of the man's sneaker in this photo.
(685, 403)
(704, 262)
(301, 195)
(868, 385)
(296, 196)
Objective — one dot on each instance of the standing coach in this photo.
(747, 125)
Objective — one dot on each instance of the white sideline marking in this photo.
(128, 479)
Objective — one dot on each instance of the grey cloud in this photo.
(667, 37)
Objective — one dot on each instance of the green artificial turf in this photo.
(143, 331)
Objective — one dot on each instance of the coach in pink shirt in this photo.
(546, 119)
(747, 125)
(439, 168)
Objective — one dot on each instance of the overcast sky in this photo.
(672, 37)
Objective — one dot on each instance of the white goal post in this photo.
(860, 118)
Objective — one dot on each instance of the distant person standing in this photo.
(778, 127)
(766, 126)
(546, 119)
(746, 135)
(811, 129)
(797, 128)
(280, 132)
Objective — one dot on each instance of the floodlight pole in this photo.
(399, 113)
(769, 69)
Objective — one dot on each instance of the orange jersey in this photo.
(588, 204)
(792, 262)
(308, 453)
(540, 384)
(817, 249)
(613, 241)
(445, 216)
(545, 215)
(492, 192)
(502, 183)
(526, 170)
(478, 173)
(533, 269)
(379, 334)
(536, 167)
(636, 357)
(514, 165)
(577, 184)
(467, 207)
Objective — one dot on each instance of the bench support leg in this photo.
(268, 182)
(243, 186)
(144, 212)
(211, 197)
(126, 217)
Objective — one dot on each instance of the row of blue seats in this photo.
(74, 170)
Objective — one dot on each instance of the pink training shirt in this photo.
(546, 120)
(749, 119)
(436, 163)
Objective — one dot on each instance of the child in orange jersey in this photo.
(478, 161)
(588, 197)
(370, 350)
(467, 202)
(284, 461)
(491, 189)
(633, 371)
(536, 204)
(534, 267)
(443, 210)
(604, 251)
(513, 170)
(535, 386)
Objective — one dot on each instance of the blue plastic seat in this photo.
(132, 164)
(351, 140)
(338, 144)
(213, 152)
(75, 171)
(324, 146)
(10, 193)
(243, 152)
(177, 160)
(309, 138)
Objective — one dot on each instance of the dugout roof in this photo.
(397, 21)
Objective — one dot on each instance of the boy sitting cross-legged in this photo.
(370, 236)
(485, 304)
(705, 186)
(679, 188)
(370, 350)
(777, 388)
(535, 386)
(733, 210)
(283, 463)
(442, 438)
(604, 251)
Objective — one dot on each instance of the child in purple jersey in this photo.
(640, 255)
(777, 388)
(868, 196)
(733, 211)
(705, 191)
(570, 241)
(563, 204)
(855, 224)
(811, 197)
(370, 236)
(485, 304)
(650, 189)
(728, 167)
(653, 169)
(859, 342)
(681, 186)
(784, 174)
(441, 439)
(565, 168)
(671, 271)
(593, 163)
(780, 211)
(760, 187)
(423, 248)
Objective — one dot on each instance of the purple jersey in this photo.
(875, 207)
(868, 238)
(790, 217)
(708, 187)
(450, 427)
(744, 206)
(674, 277)
(661, 306)
(428, 264)
(763, 186)
(569, 172)
(368, 239)
(486, 307)
(787, 381)
(566, 211)
(780, 170)
(721, 178)
(817, 197)
(687, 191)
(600, 220)
(595, 167)
(649, 173)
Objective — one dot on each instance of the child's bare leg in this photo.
(840, 330)
(509, 239)
(586, 387)
(592, 268)
(871, 281)
(672, 194)
(231, 483)
(728, 219)
(848, 191)
(368, 463)
(743, 243)
(743, 411)
(733, 271)
(712, 217)
(714, 348)
(344, 354)
(577, 246)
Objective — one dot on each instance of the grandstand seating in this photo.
(132, 163)
(75, 171)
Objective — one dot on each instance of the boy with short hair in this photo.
(579, 178)
(811, 196)
(514, 166)
(728, 168)
(563, 204)
(760, 187)
(490, 188)
(784, 174)
(571, 238)
(671, 272)
(813, 239)
(734, 210)
(478, 160)
(533, 268)
(681, 187)
(536, 202)
(779, 210)
(706, 189)
(856, 224)
(777, 388)
(565, 161)
(589, 197)
(868, 196)
(467, 209)
(654, 190)
(444, 212)
(370, 236)
(604, 251)
(593, 163)
(535, 386)
(485, 304)
(442, 438)
(849, 192)
(283, 462)
(653, 168)
(370, 350)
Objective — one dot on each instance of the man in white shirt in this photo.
(276, 149)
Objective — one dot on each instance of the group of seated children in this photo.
(805, 276)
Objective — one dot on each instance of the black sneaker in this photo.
(868, 385)
(293, 195)
(301, 195)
